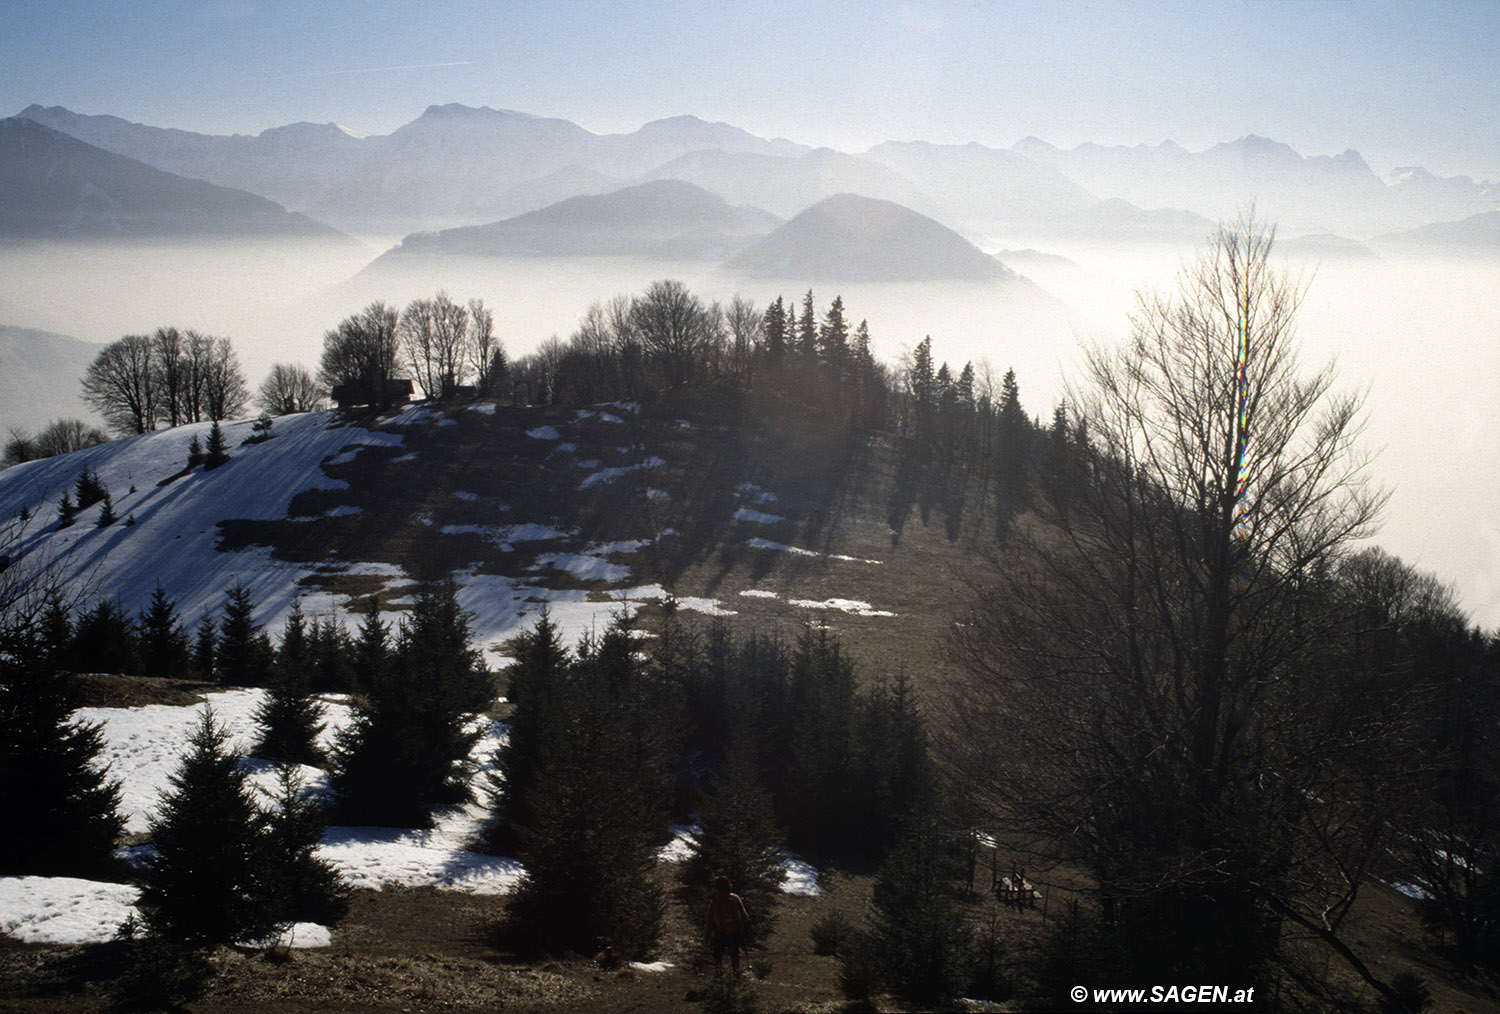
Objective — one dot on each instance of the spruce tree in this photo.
(535, 690)
(776, 329)
(595, 813)
(833, 338)
(206, 648)
(408, 746)
(104, 642)
(738, 838)
(807, 330)
(195, 451)
(65, 510)
(88, 489)
(330, 649)
(290, 718)
(241, 659)
(107, 513)
(216, 454)
(163, 645)
(61, 810)
(918, 936)
(1012, 454)
(816, 798)
(300, 886)
(372, 649)
(56, 641)
(205, 883)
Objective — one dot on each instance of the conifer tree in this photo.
(815, 798)
(216, 454)
(535, 688)
(56, 641)
(776, 331)
(330, 649)
(88, 489)
(289, 717)
(240, 655)
(195, 451)
(738, 837)
(918, 936)
(595, 813)
(300, 886)
(205, 884)
(807, 330)
(833, 338)
(409, 744)
(61, 810)
(107, 513)
(65, 511)
(163, 645)
(104, 642)
(1013, 454)
(372, 648)
(206, 648)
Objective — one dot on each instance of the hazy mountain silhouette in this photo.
(663, 219)
(54, 185)
(1476, 235)
(787, 185)
(461, 165)
(849, 238)
(971, 181)
(39, 377)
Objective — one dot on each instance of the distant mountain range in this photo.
(55, 186)
(456, 165)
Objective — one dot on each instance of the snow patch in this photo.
(463, 494)
(854, 606)
(544, 433)
(611, 474)
(342, 511)
(482, 407)
(63, 910)
(582, 565)
(299, 936)
(757, 593)
(781, 547)
(757, 518)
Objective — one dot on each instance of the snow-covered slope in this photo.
(278, 519)
(172, 540)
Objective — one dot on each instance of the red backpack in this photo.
(727, 913)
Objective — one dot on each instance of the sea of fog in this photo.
(1419, 336)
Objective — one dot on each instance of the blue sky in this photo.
(1402, 82)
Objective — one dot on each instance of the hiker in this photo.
(727, 926)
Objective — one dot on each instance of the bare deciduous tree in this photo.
(121, 385)
(362, 351)
(745, 325)
(674, 328)
(434, 338)
(169, 362)
(289, 388)
(1142, 692)
(485, 351)
(58, 437)
(225, 392)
